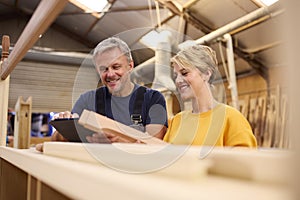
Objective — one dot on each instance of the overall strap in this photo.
(100, 101)
(136, 116)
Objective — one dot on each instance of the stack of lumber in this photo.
(267, 115)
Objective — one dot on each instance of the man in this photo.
(117, 98)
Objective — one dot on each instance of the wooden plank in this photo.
(13, 182)
(259, 119)
(245, 107)
(277, 117)
(84, 180)
(251, 112)
(99, 123)
(263, 116)
(268, 136)
(4, 89)
(283, 133)
(22, 123)
(41, 19)
(256, 116)
(48, 193)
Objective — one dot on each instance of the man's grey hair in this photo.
(111, 43)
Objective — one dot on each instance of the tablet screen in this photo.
(71, 129)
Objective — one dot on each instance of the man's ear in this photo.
(131, 65)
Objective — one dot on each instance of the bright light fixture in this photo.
(94, 5)
(267, 2)
(91, 6)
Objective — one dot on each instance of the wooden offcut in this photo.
(100, 123)
(22, 123)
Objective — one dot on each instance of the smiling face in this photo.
(194, 70)
(114, 70)
(190, 82)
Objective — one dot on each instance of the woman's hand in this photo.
(98, 138)
(104, 137)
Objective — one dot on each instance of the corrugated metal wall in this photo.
(52, 86)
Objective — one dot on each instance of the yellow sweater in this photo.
(221, 126)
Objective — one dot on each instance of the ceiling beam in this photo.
(255, 16)
(26, 15)
(261, 69)
(41, 19)
(243, 23)
(112, 10)
(196, 23)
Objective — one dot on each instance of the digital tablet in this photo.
(71, 129)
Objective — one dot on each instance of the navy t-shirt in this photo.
(153, 107)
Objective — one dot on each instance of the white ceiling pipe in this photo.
(232, 77)
(261, 12)
(162, 71)
(144, 72)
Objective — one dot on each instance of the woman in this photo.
(209, 123)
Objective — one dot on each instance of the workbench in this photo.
(29, 174)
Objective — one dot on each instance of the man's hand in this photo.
(66, 114)
(56, 136)
(98, 138)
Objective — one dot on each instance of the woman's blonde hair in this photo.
(199, 56)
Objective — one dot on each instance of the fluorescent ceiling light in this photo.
(91, 6)
(266, 2)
